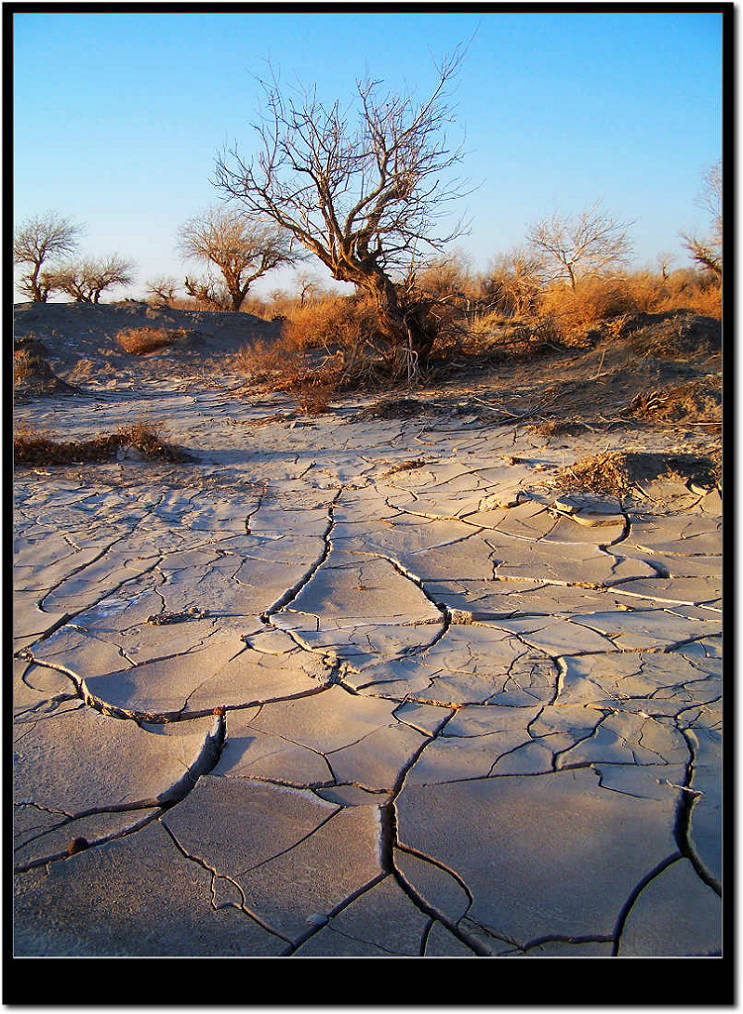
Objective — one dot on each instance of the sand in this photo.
(370, 683)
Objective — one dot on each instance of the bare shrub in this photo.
(619, 472)
(32, 446)
(140, 340)
(161, 291)
(707, 251)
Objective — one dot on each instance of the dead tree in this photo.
(575, 247)
(162, 291)
(707, 252)
(39, 239)
(365, 196)
(242, 251)
(87, 280)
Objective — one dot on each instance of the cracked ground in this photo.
(364, 687)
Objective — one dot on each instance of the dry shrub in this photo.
(22, 365)
(694, 401)
(140, 340)
(511, 338)
(592, 301)
(265, 360)
(607, 302)
(32, 446)
(330, 324)
(404, 466)
(315, 398)
(553, 428)
(618, 472)
(705, 300)
(334, 344)
(686, 289)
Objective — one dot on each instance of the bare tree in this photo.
(242, 250)
(664, 260)
(364, 196)
(308, 287)
(575, 247)
(162, 291)
(86, 280)
(708, 251)
(37, 240)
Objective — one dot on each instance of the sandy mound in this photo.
(75, 332)
(33, 377)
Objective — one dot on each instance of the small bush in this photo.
(330, 324)
(22, 365)
(619, 472)
(327, 346)
(140, 340)
(592, 301)
(511, 338)
(35, 447)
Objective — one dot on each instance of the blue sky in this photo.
(119, 116)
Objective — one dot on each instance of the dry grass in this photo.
(404, 466)
(593, 300)
(140, 340)
(35, 447)
(553, 428)
(84, 370)
(330, 324)
(606, 301)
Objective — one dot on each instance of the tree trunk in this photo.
(38, 295)
(402, 326)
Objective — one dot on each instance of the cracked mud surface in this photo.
(293, 699)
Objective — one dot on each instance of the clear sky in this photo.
(118, 117)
